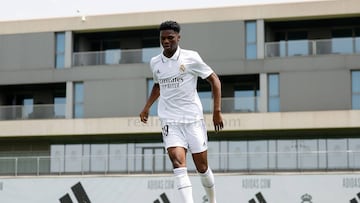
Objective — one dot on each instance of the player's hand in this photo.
(144, 116)
(218, 121)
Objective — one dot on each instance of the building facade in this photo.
(71, 90)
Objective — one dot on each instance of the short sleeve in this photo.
(199, 67)
(152, 64)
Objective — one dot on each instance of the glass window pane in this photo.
(79, 92)
(251, 51)
(238, 155)
(117, 157)
(206, 101)
(337, 153)
(258, 155)
(60, 61)
(59, 107)
(73, 156)
(355, 89)
(245, 100)
(354, 153)
(60, 50)
(57, 153)
(251, 32)
(274, 104)
(273, 93)
(356, 101)
(357, 40)
(148, 159)
(28, 107)
(273, 85)
(355, 80)
(99, 157)
(342, 45)
(298, 48)
(112, 56)
(287, 154)
(160, 157)
(251, 38)
(308, 154)
(79, 111)
(60, 42)
(79, 100)
(357, 45)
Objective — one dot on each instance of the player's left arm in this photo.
(215, 83)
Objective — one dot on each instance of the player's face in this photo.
(169, 41)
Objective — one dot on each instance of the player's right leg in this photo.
(178, 158)
(177, 147)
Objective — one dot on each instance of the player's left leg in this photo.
(206, 175)
(197, 136)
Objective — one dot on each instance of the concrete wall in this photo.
(27, 51)
(114, 98)
(220, 44)
(315, 90)
(306, 83)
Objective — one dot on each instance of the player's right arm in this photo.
(154, 95)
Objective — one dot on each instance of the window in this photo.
(355, 89)
(153, 159)
(291, 43)
(342, 41)
(246, 98)
(273, 93)
(357, 40)
(206, 101)
(79, 100)
(28, 108)
(251, 50)
(59, 107)
(240, 93)
(60, 50)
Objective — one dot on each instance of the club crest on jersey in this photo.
(182, 68)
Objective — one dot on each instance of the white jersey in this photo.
(177, 77)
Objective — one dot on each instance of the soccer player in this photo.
(175, 73)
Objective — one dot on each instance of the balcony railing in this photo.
(53, 111)
(159, 163)
(114, 56)
(38, 111)
(233, 104)
(312, 47)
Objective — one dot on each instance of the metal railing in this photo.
(159, 163)
(233, 104)
(37, 111)
(248, 104)
(54, 111)
(312, 47)
(114, 56)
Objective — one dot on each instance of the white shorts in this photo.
(191, 136)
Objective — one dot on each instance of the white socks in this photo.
(185, 189)
(207, 180)
(184, 185)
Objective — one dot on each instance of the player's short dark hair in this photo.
(170, 25)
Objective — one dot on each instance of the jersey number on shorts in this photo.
(165, 130)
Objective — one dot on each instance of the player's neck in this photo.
(169, 54)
